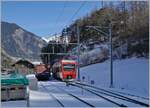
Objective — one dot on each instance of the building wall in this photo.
(23, 69)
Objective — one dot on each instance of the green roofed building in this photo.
(14, 79)
(14, 86)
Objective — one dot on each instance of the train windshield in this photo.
(69, 67)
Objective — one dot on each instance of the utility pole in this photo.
(78, 36)
(49, 59)
(97, 28)
(111, 58)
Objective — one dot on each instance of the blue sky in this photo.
(45, 18)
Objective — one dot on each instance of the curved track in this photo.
(101, 96)
(58, 101)
(72, 95)
(98, 91)
(128, 94)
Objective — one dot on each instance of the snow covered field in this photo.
(130, 75)
(49, 92)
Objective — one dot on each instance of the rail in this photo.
(119, 96)
(76, 97)
(118, 104)
(61, 104)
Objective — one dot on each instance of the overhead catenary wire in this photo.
(76, 12)
(72, 17)
(61, 12)
(60, 15)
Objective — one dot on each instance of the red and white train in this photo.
(65, 70)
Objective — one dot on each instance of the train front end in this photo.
(69, 70)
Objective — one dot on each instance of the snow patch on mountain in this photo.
(51, 38)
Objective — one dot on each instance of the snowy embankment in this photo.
(130, 75)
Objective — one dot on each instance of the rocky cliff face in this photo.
(18, 42)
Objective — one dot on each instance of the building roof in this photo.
(24, 62)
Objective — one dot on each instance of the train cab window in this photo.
(69, 67)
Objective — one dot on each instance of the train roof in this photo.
(68, 61)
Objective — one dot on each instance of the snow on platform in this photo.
(44, 97)
(12, 104)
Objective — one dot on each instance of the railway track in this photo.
(128, 94)
(70, 94)
(99, 91)
(58, 101)
(101, 96)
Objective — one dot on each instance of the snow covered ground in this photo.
(44, 97)
(49, 91)
(130, 75)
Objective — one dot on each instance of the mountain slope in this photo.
(18, 42)
(6, 60)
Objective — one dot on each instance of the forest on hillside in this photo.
(130, 26)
